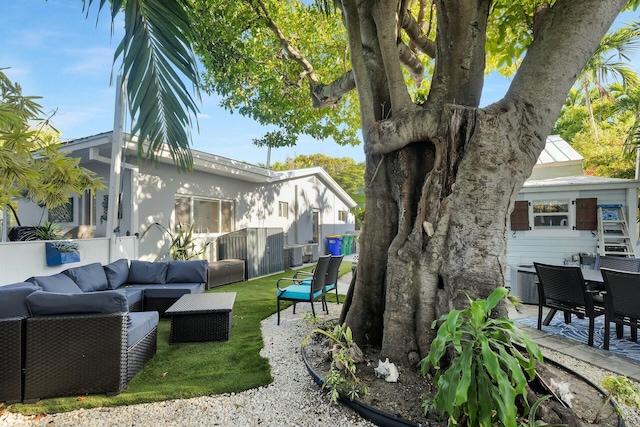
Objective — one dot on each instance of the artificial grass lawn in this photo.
(196, 369)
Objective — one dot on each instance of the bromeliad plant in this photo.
(485, 373)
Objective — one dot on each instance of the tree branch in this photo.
(567, 36)
(418, 39)
(328, 95)
(411, 62)
(384, 14)
(405, 127)
(365, 93)
(460, 59)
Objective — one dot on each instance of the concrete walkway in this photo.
(601, 358)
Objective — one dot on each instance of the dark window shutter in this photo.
(520, 216)
(587, 214)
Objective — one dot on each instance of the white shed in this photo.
(555, 217)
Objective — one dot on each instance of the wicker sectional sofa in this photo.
(83, 331)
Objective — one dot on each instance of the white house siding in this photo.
(256, 205)
(554, 246)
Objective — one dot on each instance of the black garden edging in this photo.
(384, 419)
(367, 412)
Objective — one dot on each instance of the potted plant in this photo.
(57, 251)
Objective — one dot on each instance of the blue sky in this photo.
(55, 53)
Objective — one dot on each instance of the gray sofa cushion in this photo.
(13, 299)
(117, 273)
(42, 303)
(147, 272)
(89, 278)
(140, 324)
(193, 271)
(56, 283)
(173, 290)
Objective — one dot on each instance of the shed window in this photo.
(551, 214)
(342, 216)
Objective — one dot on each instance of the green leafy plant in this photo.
(478, 370)
(48, 231)
(65, 246)
(183, 244)
(622, 389)
(341, 380)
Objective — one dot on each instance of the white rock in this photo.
(387, 370)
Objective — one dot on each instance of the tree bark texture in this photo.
(441, 177)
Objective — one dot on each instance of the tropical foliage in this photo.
(480, 384)
(31, 166)
(156, 57)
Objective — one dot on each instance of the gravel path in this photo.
(293, 399)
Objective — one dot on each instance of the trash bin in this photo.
(334, 244)
(347, 241)
(343, 245)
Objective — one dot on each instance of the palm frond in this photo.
(156, 56)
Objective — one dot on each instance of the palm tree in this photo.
(156, 56)
(606, 64)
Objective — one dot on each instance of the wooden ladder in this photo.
(613, 232)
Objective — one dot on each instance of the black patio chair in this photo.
(621, 298)
(297, 292)
(618, 263)
(331, 281)
(563, 288)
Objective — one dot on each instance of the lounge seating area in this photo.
(89, 329)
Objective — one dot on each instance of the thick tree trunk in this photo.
(449, 240)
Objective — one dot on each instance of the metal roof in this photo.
(557, 150)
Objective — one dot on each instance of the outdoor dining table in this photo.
(589, 275)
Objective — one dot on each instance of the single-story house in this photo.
(219, 196)
(555, 218)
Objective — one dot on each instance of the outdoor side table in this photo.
(201, 317)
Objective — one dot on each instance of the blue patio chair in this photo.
(331, 281)
(297, 292)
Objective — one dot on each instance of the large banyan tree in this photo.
(441, 172)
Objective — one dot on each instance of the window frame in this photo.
(225, 225)
(283, 210)
(551, 202)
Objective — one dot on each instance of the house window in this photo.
(342, 216)
(283, 209)
(62, 213)
(209, 215)
(551, 214)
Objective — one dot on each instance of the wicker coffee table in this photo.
(201, 317)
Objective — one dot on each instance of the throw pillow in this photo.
(194, 271)
(89, 278)
(145, 272)
(117, 273)
(56, 283)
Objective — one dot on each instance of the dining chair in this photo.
(621, 302)
(331, 281)
(297, 292)
(618, 263)
(563, 288)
